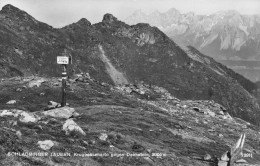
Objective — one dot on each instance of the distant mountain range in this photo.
(225, 35)
(116, 53)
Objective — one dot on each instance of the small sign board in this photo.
(63, 60)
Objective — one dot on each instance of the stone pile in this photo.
(207, 108)
(83, 77)
(144, 91)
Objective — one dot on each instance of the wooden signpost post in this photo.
(64, 61)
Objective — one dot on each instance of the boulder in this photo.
(222, 163)
(103, 136)
(46, 145)
(42, 94)
(241, 161)
(207, 157)
(211, 113)
(70, 126)
(53, 104)
(18, 90)
(11, 102)
(226, 116)
(26, 117)
(225, 157)
(36, 82)
(18, 134)
(6, 113)
(62, 112)
(220, 113)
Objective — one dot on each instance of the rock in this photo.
(46, 145)
(223, 109)
(184, 106)
(18, 90)
(83, 22)
(137, 148)
(221, 135)
(42, 94)
(27, 117)
(211, 113)
(222, 163)
(104, 84)
(75, 114)
(197, 109)
(241, 161)
(70, 126)
(149, 160)
(62, 112)
(53, 104)
(56, 84)
(19, 134)
(228, 116)
(220, 113)
(80, 79)
(103, 136)
(109, 19)
(6, 113)
(11, 102)
(207, 157)
(13, 123)
(24, 117)
(36, 82)
(225, 157)
(211, 130)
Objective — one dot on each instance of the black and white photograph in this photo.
(129, 82)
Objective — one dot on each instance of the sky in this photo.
(59, 13)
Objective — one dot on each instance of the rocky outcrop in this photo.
(109, 19)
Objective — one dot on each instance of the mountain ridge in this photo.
(232, 33)
(138, 53)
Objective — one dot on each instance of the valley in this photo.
(249, 69)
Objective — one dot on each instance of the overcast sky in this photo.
(59, 13)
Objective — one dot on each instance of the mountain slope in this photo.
(114, 52)
(119, 126)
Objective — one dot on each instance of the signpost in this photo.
(64, 61)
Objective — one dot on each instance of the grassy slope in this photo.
(132, 125)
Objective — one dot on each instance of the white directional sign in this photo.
(64, 60)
